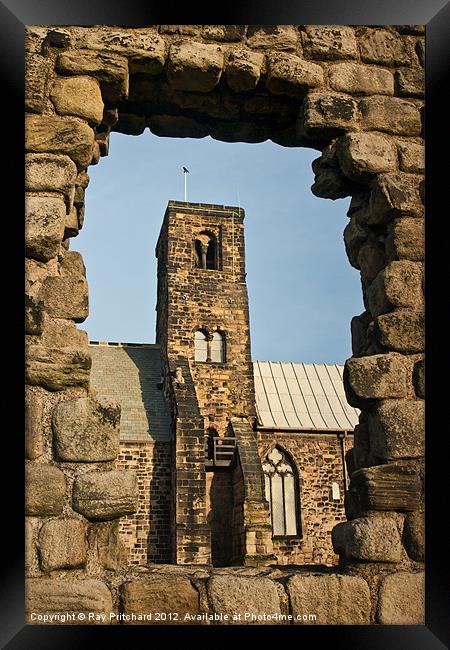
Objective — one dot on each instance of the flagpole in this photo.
(185, 187)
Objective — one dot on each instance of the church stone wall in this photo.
(319, 463)
(353, 92)
(146, 534)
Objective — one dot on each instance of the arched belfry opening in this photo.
(206, 253)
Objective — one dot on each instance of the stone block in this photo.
(397, 429)
(34, 432)
(36, 81)
(82, 180)
(30, 545)
(420, 51)
(290, 75)
(412, 157)
(358, 79)
(238, 595)
(44, 226)
(378, 376)
(66, 297)
(402, 599)
(78, 96)
(410, 82)
(399, 284)
(49, 173)
(329, 183)
(243, 69)
(56, 369)
(165, 594)
(394, 195)
(110, 116)
(383, 47)
(273, 37)
(133, 124)
(362, 154)
(354, 237)
(394, 487)
(419, 378)
(414, 536)
(72, 264)
(80, 215)
(95, 154)
(358, 327)
(105, 495)
(87, 430)
(45, 490)
(103, 142)
(71, 228)
(60, 333)
(105, 538)
(391, 114)
(370, 260)
(58, 37)
(402, 330)
(194, 67)
(60, 135)
(33, 315)
(62, 544)
(176, 126)
(326, 115)
(334, 599)
(110, 70)
(73, 597)
(144, 48)
(406, 239)
(224, 33)
(371, 539)
(329, 42)
(184, 30)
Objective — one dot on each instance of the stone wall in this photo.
(170, 595)
(353, 93)
(146, 534)
(319, 463)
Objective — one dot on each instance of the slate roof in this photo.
(130, 373)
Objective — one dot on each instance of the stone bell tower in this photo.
(219, 511)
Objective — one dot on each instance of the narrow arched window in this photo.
(200, 346)
(218, 348)
(281, 493)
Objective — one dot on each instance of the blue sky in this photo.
(302, 290)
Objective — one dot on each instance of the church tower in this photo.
(219, 511)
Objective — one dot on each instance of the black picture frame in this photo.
(14, 16)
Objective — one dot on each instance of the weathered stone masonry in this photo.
(218, 395)
(355, 94)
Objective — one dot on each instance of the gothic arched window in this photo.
(218, 348)
(281, 493)
(200, 346)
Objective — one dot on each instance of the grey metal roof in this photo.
(302, 396)
(129, 373)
